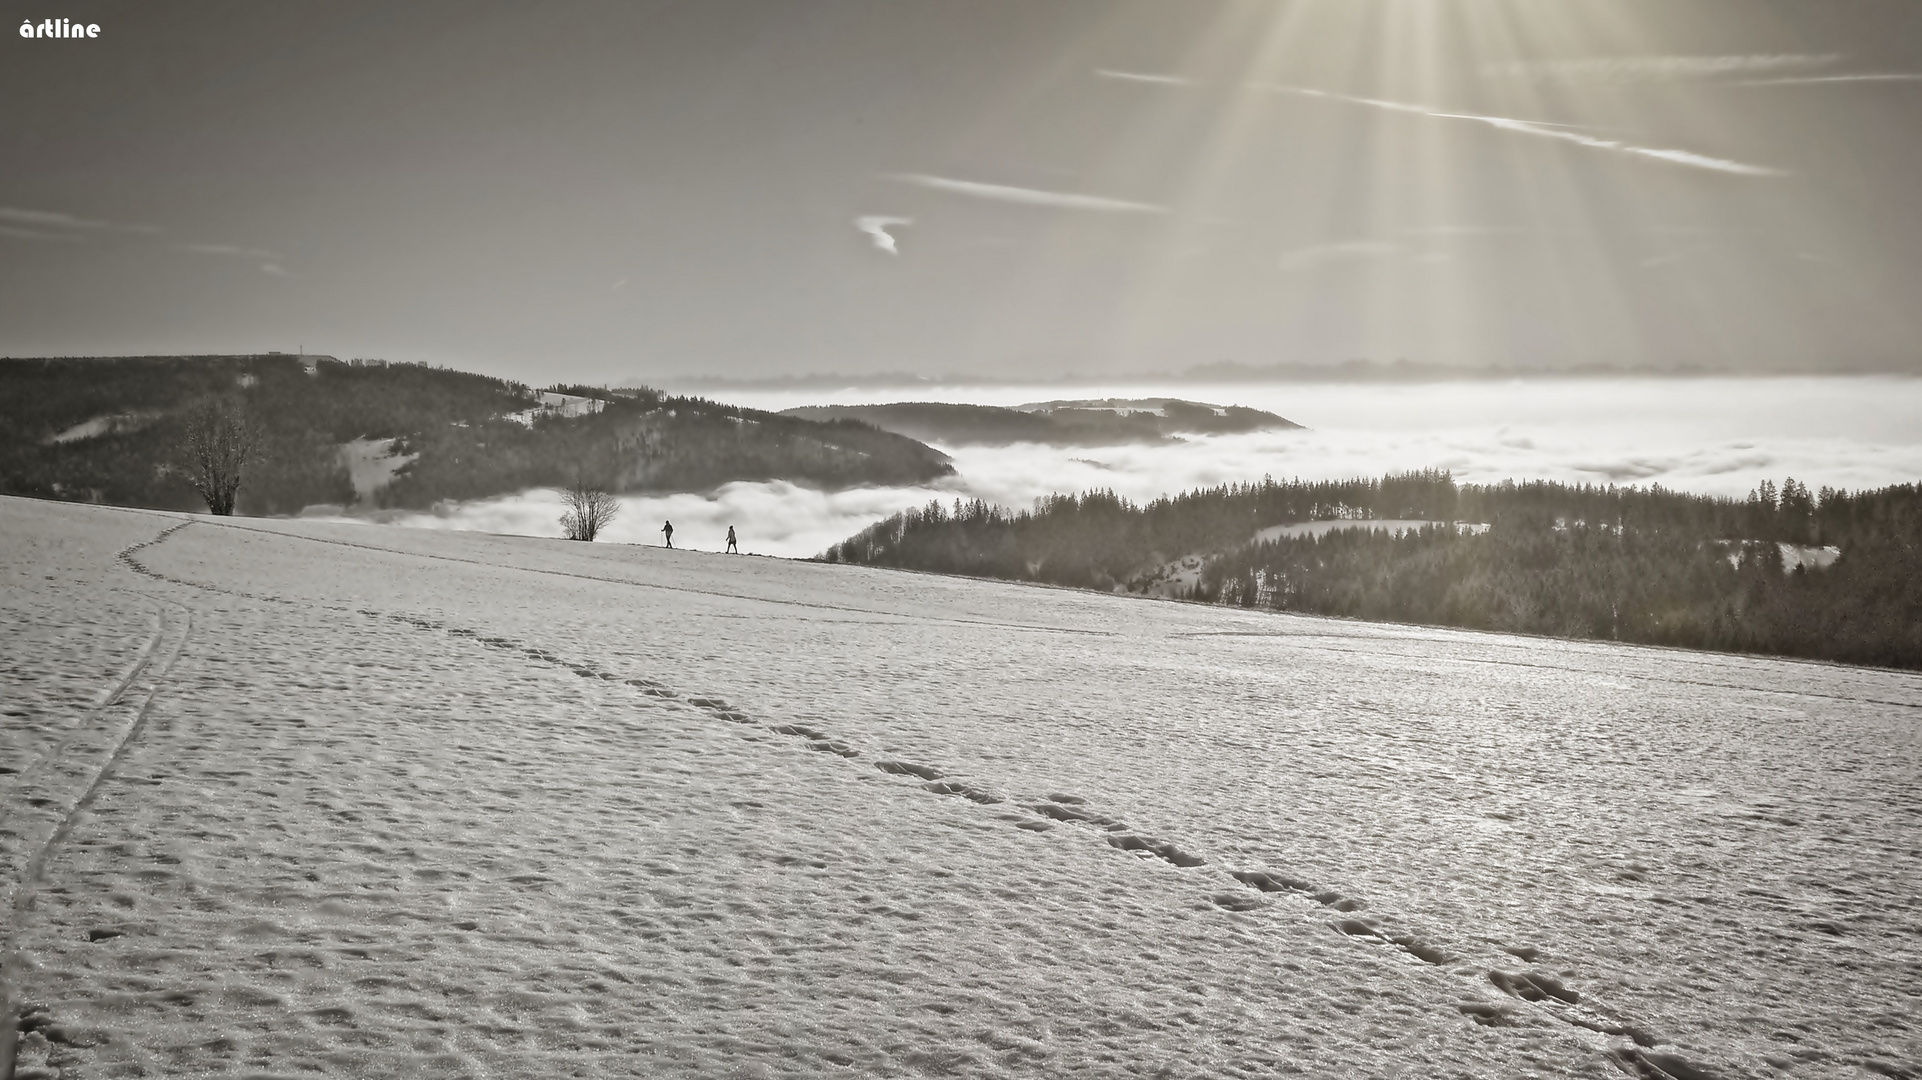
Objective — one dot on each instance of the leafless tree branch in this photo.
(221, 442)
(589, 509)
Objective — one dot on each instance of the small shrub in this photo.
(589, 509)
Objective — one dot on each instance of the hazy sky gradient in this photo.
(652, 190)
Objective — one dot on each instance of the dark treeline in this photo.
(1099, 540)
(1154, 420)
(1632, 564)
(146, 400)
(110, 430)
(642, 440)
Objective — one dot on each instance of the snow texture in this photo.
(286, 797)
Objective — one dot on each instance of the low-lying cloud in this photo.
(775, 518)
(1719, 436)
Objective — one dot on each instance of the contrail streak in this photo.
(1065, 200)
(1540, 130)
(1646, 68)
(1136, 76)
(1865, 77)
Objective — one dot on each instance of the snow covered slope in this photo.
(285, 797)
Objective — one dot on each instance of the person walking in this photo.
(730, 541)
(667, 530)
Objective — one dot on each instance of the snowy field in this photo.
(288, 798)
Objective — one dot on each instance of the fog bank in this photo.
(1714, 435)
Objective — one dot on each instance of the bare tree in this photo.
(589, 509)
(222, 440)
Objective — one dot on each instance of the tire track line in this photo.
(30, 775)
(158, 656)
(181, 627)
(18, 791)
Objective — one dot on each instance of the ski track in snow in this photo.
(1211, 953)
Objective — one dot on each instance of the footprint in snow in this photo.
(966, 791)
(1148, 845)
(903, 768)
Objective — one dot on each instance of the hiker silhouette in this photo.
(667, 529)
(730, 541)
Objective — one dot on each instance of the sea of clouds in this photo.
(1714, 435)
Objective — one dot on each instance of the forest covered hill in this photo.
(110, 430)
(1053, 423)
(1631, 564)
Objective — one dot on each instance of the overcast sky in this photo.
(644, 190)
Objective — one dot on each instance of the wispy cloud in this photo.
(1063, 200)
(269, 262)
(1141, 77)
(617, 286)
(69, 224)
(1461, 230)
(1303, 258)
(48, 218)
(1863, 77)
(226, 249)
(36, 234)
(1621, 69)
(1545, 131)
(876, 227)
(1666, 258)
(22, 224)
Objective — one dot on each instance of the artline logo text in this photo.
(58, 28)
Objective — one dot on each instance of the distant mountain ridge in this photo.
(1093, 422)
(108, 430)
